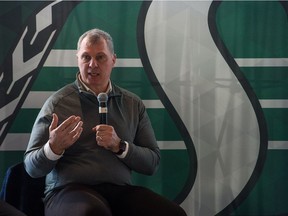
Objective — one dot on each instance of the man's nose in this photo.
(93, 63)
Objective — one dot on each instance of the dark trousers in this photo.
(108, 200)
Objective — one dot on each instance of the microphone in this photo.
(102, 99)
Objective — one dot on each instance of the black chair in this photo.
(22, 191)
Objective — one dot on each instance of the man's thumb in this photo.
(54, 122)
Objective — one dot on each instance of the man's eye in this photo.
(101, 58)
(86, 58)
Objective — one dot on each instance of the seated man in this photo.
(88, 164)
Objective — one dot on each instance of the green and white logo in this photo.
(212, 75)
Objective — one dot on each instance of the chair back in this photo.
(22, 191)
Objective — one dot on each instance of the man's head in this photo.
(94, 35)
(96, 58)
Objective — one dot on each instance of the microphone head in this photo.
(102, 97)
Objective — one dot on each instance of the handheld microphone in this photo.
(102, 99)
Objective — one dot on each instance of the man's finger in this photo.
(54, 122)
(69, 123)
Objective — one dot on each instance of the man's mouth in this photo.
(93, 73)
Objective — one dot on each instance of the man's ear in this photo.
(114, 57)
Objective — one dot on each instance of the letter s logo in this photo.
(210, 101)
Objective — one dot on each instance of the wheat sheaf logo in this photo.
(27, 56)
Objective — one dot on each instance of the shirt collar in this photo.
(86, 88)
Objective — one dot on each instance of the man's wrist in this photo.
(123, 149)
(50, 154)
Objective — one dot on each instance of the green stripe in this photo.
(277, 122)
(54, 78)
(105, 15)
(132, 79)
(24, 121)
(165, 129)
(171, 176)
(268, 82)
(253, 29)
(269, 197)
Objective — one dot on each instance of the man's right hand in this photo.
(63, 136)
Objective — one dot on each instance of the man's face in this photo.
(95, 63)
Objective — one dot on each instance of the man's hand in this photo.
(66, 134)
(107, 137)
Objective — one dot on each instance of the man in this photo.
(88, 164)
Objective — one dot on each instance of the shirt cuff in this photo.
(50, 154)
(123, 155)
